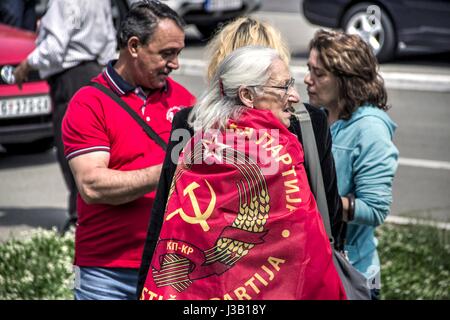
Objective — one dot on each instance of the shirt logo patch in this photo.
(171, 112)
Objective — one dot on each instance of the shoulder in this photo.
(317, 112)
(87, 102)
(319, 118)
(183, 113)
(88, 97)
(89, 93)
(181, 117)
(373, 131)
(372, 126)
(318, 115)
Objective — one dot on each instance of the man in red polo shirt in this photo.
(116, 165)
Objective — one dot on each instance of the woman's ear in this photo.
(133, 46)
(247, 96)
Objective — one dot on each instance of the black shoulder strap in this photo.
(152, 134)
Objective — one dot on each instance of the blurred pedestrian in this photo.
(19, 13)
(343, 77)
(115, 163)
(75, 40)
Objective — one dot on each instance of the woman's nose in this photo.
(307, 79)
(294, 96)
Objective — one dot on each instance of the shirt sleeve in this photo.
(83, 129)
(54, 34)
(374, 168)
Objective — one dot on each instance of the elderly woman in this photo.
(240, 220)
(343, 77)
(238, 33)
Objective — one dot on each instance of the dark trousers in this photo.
(62, 87)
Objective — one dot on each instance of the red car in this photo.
(25, 115)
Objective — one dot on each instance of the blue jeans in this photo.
(105, 283)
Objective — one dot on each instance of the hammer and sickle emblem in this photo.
(199, 217)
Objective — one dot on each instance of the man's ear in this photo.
(247, 96)
(133, 46)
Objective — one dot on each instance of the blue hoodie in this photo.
(366, 160)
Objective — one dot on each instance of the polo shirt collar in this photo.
(116, 82)
(119, 84)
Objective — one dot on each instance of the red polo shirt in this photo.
(106, 235)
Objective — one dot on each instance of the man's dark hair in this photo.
(142, 19)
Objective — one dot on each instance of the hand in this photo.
(348, 207)
(345, 206)
(21, 73)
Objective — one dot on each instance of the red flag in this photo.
(241, 222)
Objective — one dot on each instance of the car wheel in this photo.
(374, 25)
(28, 148)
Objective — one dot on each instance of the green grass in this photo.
(415, 264)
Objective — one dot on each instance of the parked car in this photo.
(390, 27)
(25, 115)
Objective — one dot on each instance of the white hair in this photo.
(246, 66)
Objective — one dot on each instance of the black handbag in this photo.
(354, 282)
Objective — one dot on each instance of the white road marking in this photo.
(414, 221)
(422, 163)
(419, 82)
(393, 80)
(401, 80)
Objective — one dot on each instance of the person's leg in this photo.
(62, 87)
(11, 12)
(105, 283)
(373, 274)
(29, 16)
(375, 294)
(58, 92)
(58, 115)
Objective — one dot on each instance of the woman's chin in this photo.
(285, 120)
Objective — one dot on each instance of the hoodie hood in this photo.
(363, 112)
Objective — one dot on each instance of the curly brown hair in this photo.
(351, 60)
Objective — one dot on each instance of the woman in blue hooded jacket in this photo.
(343, 77)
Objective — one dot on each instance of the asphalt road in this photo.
(32, 192)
